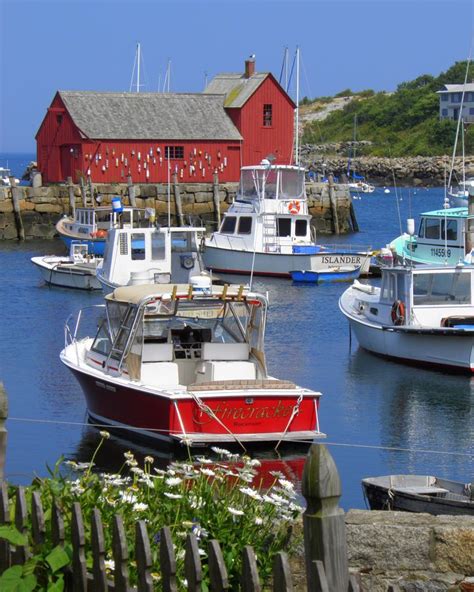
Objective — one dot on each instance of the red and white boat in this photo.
(186, 363)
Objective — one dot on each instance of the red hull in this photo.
(161, 417)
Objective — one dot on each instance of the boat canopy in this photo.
(274, 182)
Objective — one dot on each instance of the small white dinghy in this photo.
(76, 271)
(419, 315)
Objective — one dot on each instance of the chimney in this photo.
(250, 66)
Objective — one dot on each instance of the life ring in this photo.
(294, 207)
(100, 234)
(398, 313)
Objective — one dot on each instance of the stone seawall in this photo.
(41, 207)
(418, 552)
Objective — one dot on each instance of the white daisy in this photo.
(139, 507)
(173, 495)
(235, 512)
(173, 481)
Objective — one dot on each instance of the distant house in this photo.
(238, 120)
(450, 98)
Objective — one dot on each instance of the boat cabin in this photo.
(269, 214)
(429, 296)
(182, 335)
(440, 238)
(151, 255)
(91, 221)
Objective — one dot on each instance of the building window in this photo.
(138, 246)
(245, 225)
(444, 97)
(456, 98)
(267, 115)
(471, 110)
(174, 152)
(444, 112)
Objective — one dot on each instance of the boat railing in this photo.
(72, 326)
(350, 248)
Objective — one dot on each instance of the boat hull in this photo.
(244, 416)
(279, 265)
(66, 276)
(95, 245)
(318, 277)
(453, 350)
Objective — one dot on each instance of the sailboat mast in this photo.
(297, 147)
(138, 68)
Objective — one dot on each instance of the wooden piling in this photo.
(333, 204)
(83, 192)
(177, 201)
(354, 223)
(72, 198)
(16, 196)
(3, 429)
(324, 526)
(215, 197)
(131, 192)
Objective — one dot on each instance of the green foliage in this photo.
(403, 123)
(345, 93)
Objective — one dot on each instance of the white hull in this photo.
(436, 348)
(57, 271)
(278, 264)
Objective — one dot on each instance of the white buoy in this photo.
(387, 190)
(411, 226)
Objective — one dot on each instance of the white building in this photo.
(450, 99)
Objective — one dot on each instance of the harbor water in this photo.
(380, 417)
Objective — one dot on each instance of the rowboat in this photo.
(335, 274)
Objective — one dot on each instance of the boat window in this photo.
(292, 184)
(228, 225)
(248, 187)
(389, 287)
(102, 343)
(245, 225)
(138, 246)
(271, 184)
(421, 230)
(442, 289)
(432, 228)
(116, 311)
(158, 250)
(300, 227)
(449, 230)
(283, 226)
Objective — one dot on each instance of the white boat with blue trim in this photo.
(421, 315)
(267, 230)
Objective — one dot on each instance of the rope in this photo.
(295, 411)
(292, 440)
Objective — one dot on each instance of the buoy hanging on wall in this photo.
(181, 173)
(225, 160)
(116, 162)
(126, 162)
(122, 157)
(148, 173)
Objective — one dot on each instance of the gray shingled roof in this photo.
(149, 116)
(468, 87)
(236, 87)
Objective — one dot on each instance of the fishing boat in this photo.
(151, 255)
(186, 363)
(78, 270)
(356, 182)
(440, 239)
(92, 224)
(267, 231)
(5, 175)
(419, 493)
(335, 274)
(421, 315)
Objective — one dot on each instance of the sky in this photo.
(90, 45)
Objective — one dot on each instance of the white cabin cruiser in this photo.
(419, 315)
(151, 255)
(267, 229)
(186, 363)
(76, 271)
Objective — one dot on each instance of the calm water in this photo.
(367, 401)
(16, 162)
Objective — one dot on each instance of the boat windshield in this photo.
(441, 289)
(291, 184)
(259, 183)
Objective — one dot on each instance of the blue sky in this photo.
(90, 45)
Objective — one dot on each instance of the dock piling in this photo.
(72, 199)
(131, 192)
(3, 429)
(215, 197)
(177, 200)
(333, 203)
(16, 196)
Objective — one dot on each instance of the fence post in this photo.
(323, 521)
(3, 429)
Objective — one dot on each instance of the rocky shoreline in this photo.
(417, 170)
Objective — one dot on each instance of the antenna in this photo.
(138, 67)
(297, 146)
(135, 81)
(167, 81)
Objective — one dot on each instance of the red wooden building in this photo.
(238, 120)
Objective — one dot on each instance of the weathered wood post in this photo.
(177, 200)
(215, 197)
(72, 199)
(470, 220)
(83, 191)
(131, 192)
(354, 223)
(323, 521)
(333, 203)
(16, 196)
(3, 429)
